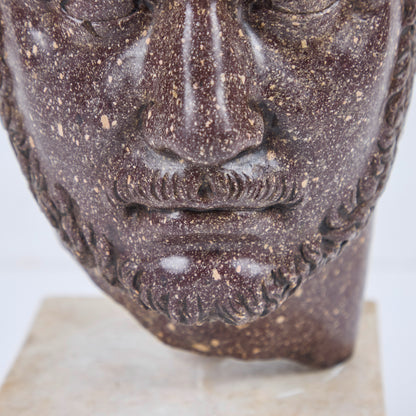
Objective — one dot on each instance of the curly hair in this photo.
(341, 224)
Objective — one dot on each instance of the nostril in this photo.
(205, 191)
(255, 106)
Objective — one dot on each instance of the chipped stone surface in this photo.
(85, 357)
(250, 139)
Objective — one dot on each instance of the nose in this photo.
(202, 82)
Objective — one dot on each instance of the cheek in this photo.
(56, 95)
(329, 99)
(338, 83)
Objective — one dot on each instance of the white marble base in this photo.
(89, 357)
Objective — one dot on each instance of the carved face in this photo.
(202, 158)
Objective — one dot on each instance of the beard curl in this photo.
(222, 287)
(340, 225)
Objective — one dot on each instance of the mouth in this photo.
(251, 183)
(202, 251)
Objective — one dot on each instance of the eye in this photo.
(293, 20)
(100, 10)
(296, 7)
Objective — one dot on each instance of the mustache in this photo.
(212, 188)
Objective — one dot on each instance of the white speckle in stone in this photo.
(249, 267)
(60, 130)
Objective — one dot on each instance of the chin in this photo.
(197, 267)
(193, 286)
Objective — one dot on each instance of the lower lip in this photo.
(205, 229)
(210, 218)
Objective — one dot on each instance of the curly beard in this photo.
(267, 289)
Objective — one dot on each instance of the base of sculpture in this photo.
(86, 356)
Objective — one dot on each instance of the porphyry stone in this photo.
(214, 164)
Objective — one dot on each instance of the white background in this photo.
(33, 265)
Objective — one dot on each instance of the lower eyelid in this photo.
(103, 28)
(315, 12)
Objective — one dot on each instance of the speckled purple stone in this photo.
(214, 164)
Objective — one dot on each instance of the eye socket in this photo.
(302, 6)
(100, 10)
(296, 7)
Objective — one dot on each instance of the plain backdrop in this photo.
(33, 265)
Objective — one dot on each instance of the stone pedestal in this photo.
(88, 357)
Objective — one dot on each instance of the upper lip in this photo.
(255, 183)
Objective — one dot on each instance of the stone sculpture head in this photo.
(203, 158)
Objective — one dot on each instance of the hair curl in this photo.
(341, 224)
